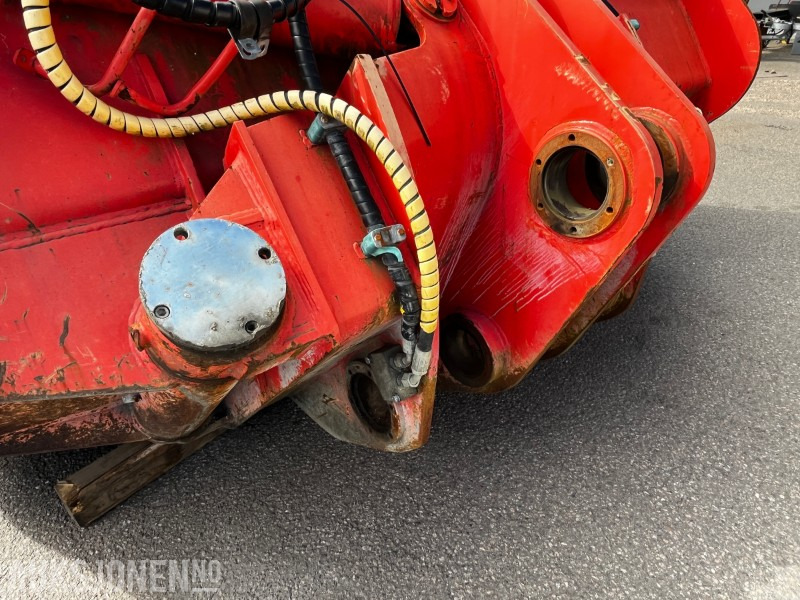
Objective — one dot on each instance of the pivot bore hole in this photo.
(465, 352)
(575, 183)
(366, 399)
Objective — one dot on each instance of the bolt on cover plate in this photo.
(212, 285)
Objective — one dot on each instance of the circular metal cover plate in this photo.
(212, 285)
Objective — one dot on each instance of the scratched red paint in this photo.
(79, 204)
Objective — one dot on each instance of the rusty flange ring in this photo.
(550, 189)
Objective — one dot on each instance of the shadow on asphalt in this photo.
(646, 442)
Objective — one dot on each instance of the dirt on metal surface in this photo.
(543, 208)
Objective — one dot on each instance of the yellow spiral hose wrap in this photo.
(43, 41)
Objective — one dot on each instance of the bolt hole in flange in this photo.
(180, 233)
(250, 327)
(577, 184)
(265, 253)
(161, 311)
(464, 352)
(366, 399)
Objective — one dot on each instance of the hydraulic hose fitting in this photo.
(304, 51)
(419, 368)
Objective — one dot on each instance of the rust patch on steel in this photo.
(670, 162)
(18, 415)
(64, 332)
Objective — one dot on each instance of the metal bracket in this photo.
(319, 128)
(250, 48)
(255, 26)
(384, 241)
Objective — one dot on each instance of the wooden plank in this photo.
(91, 492)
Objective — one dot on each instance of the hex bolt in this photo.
(161, 311)
(396, 398)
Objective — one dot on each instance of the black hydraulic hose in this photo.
(407, 292)
(203, 12)
(339, 146)
(359, 191)
(236, 15)
(304, 51)
(372, 219)
(343, 153)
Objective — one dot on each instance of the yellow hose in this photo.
(43, 40)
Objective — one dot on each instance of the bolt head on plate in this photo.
(212, 285)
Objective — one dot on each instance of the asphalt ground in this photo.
(660, 458)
